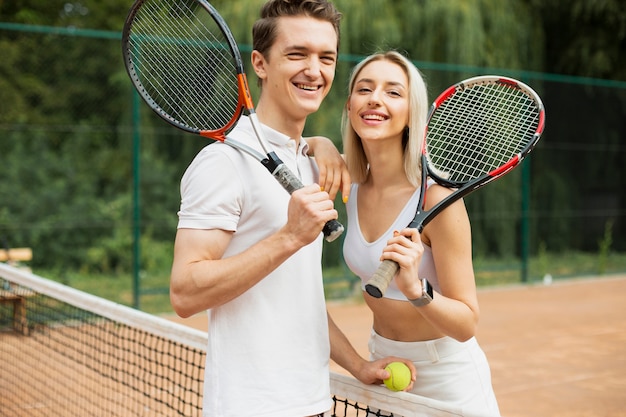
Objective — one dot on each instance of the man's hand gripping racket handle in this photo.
(332, 229)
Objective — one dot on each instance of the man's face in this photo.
(300, 68)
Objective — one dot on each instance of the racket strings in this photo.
(183, 61)
(479, 129)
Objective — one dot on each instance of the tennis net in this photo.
(64, 352)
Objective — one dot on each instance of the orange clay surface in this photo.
(554, 351)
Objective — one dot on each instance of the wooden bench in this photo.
(17, 297)
(14, 255)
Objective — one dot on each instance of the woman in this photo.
(383, 130)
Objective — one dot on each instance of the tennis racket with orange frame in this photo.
(183, 60)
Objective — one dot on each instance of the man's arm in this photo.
(201, 278)
(344, 354)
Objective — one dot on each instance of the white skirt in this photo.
(447, 370)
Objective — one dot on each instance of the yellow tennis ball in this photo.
(399, 376)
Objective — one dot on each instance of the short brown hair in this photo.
(264, 29)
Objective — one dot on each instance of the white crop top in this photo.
(363, 258)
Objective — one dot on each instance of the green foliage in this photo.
(488, 33)
(584, 37)
(604, 247)
(494, 216)
(66, 125)
(542, 259)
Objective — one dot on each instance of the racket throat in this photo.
(272, 162)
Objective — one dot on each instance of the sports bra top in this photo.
(363, 258)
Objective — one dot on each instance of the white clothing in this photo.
(454, 372)
(268, 350)
(363, 257)
(447, 370)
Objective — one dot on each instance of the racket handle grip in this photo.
(332, 229)
(378, 283)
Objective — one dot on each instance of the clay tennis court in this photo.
(555, 351)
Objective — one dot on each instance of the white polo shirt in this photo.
(268, 351)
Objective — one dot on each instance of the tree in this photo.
(65, 124)
(585, 38)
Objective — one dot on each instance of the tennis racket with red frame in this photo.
(477, 131)
(183, 60)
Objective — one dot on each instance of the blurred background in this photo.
(89, 177)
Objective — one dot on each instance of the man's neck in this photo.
(281, 123)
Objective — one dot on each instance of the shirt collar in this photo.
(280, 140)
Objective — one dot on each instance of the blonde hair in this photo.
(356, 159)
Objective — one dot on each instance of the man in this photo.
(250, 254)
(246, 250)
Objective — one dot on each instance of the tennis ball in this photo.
(399, 376)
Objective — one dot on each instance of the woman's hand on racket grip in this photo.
(406, 249)
(309, 210)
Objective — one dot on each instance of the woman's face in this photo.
(378, 106)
